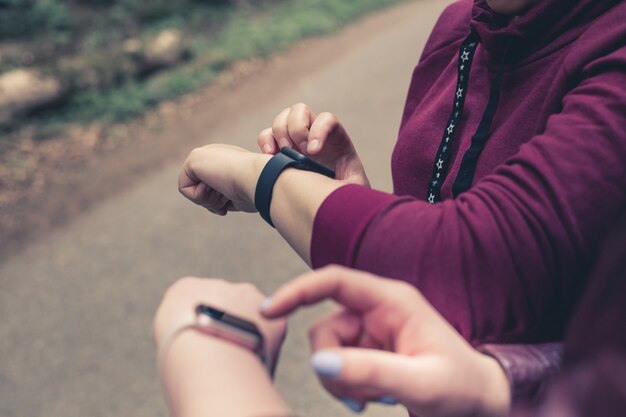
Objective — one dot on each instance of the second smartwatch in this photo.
(286, 158)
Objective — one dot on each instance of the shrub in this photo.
(19, 18)
(147, 10)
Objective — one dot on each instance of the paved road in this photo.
(76, 307)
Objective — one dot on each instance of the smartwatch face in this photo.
(229, 327)
(307, 163)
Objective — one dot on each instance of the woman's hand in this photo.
(322, 137)
(388, 343)
(207, 376)
(221, 178)
(239, 299)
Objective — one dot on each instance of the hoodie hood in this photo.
(542, 28)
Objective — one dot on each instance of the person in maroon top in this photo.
(510, 167)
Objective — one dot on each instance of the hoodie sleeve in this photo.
(504, 261)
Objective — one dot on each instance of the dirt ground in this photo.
(44, 183)
(47, 182)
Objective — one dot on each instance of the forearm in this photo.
(297, 197)
(205, 376)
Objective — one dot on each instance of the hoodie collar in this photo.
(542, 28)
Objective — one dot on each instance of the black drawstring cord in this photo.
(467, 169)
(440, 168)
(470, 159)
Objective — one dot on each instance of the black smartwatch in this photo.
(217, 323)
(286, 158)
(236, 330)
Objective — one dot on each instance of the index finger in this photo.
(355, 290)
(299, 122)
(280, 130)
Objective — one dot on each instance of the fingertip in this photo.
(268, 309)
(268, 149)
(265, 304)
(326, 363)
(314, 146)
(283, 142)
(353, 405)
(387, 400)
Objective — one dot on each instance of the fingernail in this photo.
(303, 146)
(353, 405)
(267, 148)
(327, 364)
(265, 304)
(314, 145)
(387, 399)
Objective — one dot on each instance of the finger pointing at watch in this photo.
(398, 347)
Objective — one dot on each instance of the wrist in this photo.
(205, 375)
(495, 393)
(192, 348)
(250, 176)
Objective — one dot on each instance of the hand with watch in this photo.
(385, 344)
(212, 338)
(225, 178)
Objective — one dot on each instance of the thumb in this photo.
(387, 373)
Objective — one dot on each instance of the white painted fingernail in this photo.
(387, 400)
(327, 364)
(265, 304)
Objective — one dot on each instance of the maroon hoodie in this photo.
(522, 125)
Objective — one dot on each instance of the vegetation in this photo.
(20, 18)
(218, 32)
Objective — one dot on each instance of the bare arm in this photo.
(233, 173)
(296, 198)
(206, 376)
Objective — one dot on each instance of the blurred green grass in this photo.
(244, 33)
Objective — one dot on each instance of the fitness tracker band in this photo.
(218, 323)
(234, 329)
(286, 158)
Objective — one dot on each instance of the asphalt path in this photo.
(76, 306)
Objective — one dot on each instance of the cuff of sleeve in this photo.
(527, 367)
(341, 221)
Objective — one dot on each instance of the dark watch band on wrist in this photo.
(286, 158)
(220, 324)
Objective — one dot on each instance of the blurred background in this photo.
(100, 101)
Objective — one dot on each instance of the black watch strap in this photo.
(287, 157)
(265, 185)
